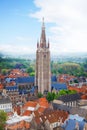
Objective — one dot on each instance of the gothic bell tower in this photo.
(43, 73)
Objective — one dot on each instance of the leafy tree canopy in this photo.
(40, 95)
(3, 118)
(51, 96)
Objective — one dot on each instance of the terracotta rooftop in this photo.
(21, 125)
(30, 104)
(17, 73)
(41, 109)
(27, 113)
(82, 89)
(1, 86)
(52, 116)
(2, 76)
(36, 113)
(43, 102)
(65, 77)
(84, 96)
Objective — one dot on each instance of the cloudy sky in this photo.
(21, 20)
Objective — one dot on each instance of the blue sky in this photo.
(65, 21)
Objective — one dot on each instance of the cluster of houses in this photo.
(18, 97)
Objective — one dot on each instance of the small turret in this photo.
(48, 43)
(37, 44)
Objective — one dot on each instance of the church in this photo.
(43, 70)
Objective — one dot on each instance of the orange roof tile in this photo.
(84, 96)
(1, 86)
(43, 102)
(83, 89)
(42, 99)
(2, 76)
(27, 125)
(37, 119)
(19, 125)
(41, 109)
(52, 116)
(36, 113)
(27, 113)
(30, 104)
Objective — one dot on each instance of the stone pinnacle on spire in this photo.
(43, 36)
(37, 44)
(43, 22)
(48, 43)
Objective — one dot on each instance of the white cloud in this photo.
(69, 33)
(21, 38)
(16, 49)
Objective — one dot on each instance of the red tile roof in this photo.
(17, 73)
(21, 125)
(52, 116)
(30, 104)
(1, 86)
(27, 113)
(83, 89)
(41, 109)
(36, 113)
(84, 96)
(43, 102)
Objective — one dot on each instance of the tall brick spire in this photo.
(43, 36)
(43, 72)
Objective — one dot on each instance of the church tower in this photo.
(43, 74)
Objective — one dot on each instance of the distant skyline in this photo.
(21, 21)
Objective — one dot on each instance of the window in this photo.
(44, 56)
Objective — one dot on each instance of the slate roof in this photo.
(10, 88)
(70, 125)
(24, 91)
(76, 117)
(8, 80)
(4, 100)
(59, 86)
(29, 79)
(53, 78)
(62, 107)
(70, 97)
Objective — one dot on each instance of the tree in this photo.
(50, 96)
(4, 71)
(30, 69)
(40, 95)
(32, 74)
(62, 92)
(3, 118)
